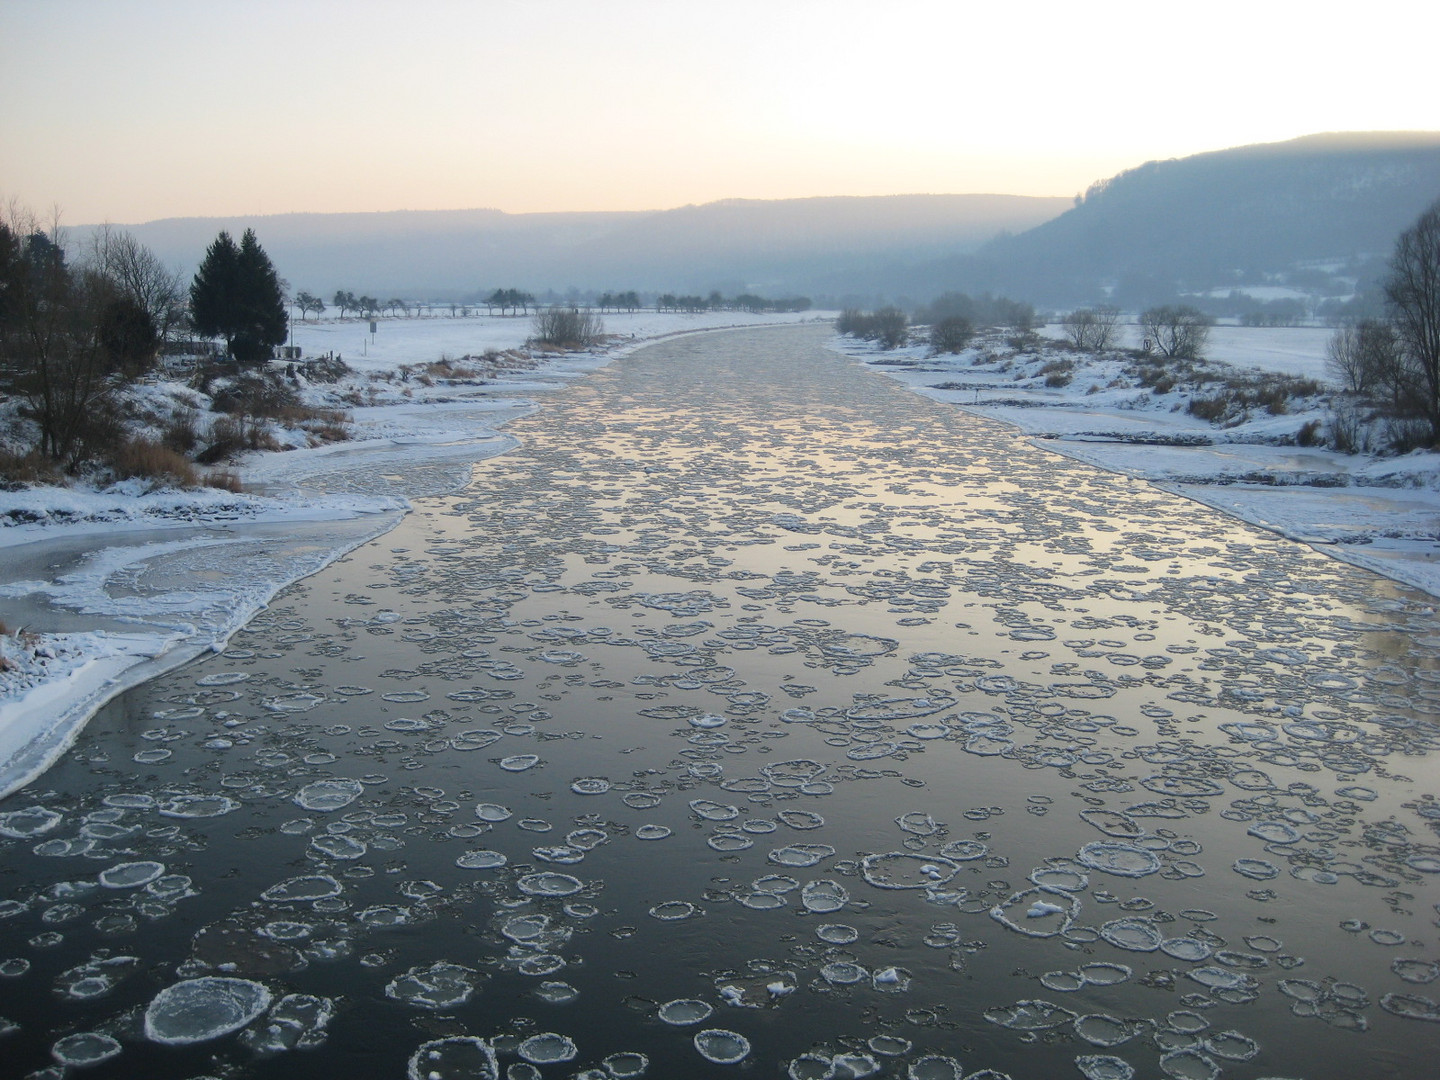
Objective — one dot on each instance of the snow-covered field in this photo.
(112, 587)
(1284, 350)
(408, 341)
(115, 586)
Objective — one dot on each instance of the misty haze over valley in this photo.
(813, 246)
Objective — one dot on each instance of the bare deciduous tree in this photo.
(1412, 293)
(1176, 330)
(139, 275)
(509, 300)
(50, 343)
(308, 302)
(1364, 357)
(1092, 329)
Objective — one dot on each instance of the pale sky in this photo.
(132, 110)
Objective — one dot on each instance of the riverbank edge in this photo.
(1397, 569)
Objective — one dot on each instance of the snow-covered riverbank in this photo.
(114, 586)
(1382, 513)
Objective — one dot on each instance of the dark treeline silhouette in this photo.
(78, 334)
(747, 302)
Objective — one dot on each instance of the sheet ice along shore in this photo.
(752, 710)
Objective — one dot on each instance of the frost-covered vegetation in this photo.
(998, 359)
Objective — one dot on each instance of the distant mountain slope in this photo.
(804, 246)
(1217, 219)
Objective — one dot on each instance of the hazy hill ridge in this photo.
(779, 246)
(1244, 216)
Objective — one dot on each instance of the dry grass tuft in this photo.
(153, 461)
(20, 470)
(224, 480)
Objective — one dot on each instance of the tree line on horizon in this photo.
(513, 301)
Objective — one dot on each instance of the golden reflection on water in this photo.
(733, 551)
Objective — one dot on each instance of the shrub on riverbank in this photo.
(265, 411)
(889, 326)
(568, 328)
(951, 334)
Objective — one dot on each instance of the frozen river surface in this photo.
(755, 717)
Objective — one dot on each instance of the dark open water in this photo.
(860, 720)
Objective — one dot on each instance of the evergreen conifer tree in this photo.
(262, 306)
(213, 292)
(237, 295)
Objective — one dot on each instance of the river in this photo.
(756, 716)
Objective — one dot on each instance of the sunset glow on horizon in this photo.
(133, 111)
